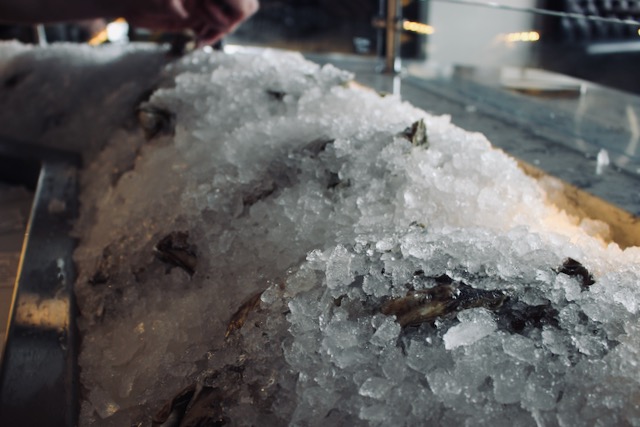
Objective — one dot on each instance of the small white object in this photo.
(472, 329)
(376, 388)
(602, 161)
(117, 31)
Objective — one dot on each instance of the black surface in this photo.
(600, 51)
(38, 377)
(16, 171)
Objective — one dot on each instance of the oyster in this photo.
(195, 405)
(277, 95)
(155, 121)
(574, 268)
(417, 134)
(175, 250)
(517, 317)
(104, 268)
(240, 316)
(173, 411)
(446, 298)
(278, 176)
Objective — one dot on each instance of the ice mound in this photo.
(70, 96)
(281, 252)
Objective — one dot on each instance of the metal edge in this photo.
(39, 370)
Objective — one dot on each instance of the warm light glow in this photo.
(418, 27)
(116, 31)
(99, 38)
(34, 311)
(525, 36)
(639, 31)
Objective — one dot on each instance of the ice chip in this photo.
(475, 325)
(104, 405)
(555, 342)
(376, 286)
(385, 245)
(509, 382)
(339, 272)
(521, 348)
(443, 384)
(387, 332)
(376, 413)
(376, 388)
(540, 392)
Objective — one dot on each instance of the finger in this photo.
(229, 12)
(212, 22)
(177, 6)
(238, 10)
(209, 39)
(215, 15)
(207, 33)
(212, 19)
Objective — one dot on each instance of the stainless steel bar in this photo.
(38, 366)
(392, 57)
(40, 35)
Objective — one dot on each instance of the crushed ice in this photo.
(282, 178)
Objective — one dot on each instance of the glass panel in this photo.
(567, 70)
(596, 40)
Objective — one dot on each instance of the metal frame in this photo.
(39, 371)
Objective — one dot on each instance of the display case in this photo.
(552, 84)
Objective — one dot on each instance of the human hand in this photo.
(210, 20)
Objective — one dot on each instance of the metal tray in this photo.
(39, 371)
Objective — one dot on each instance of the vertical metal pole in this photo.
(379, 33)
(397, 85)
(40, 35)
(392, 60)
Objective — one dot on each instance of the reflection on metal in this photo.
(39, 362)
(602, 161)
(391, 21)
(40, 35)
(417, 27)
(115, 32)
(392, 57)
(542, 84)
(33, 311)
(99, 38)
(634, 129)
(540, 11)
(397, 85)
(613, 47)
(524, 36)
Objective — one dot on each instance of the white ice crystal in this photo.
(470, 330)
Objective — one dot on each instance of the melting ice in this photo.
(301, 208)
